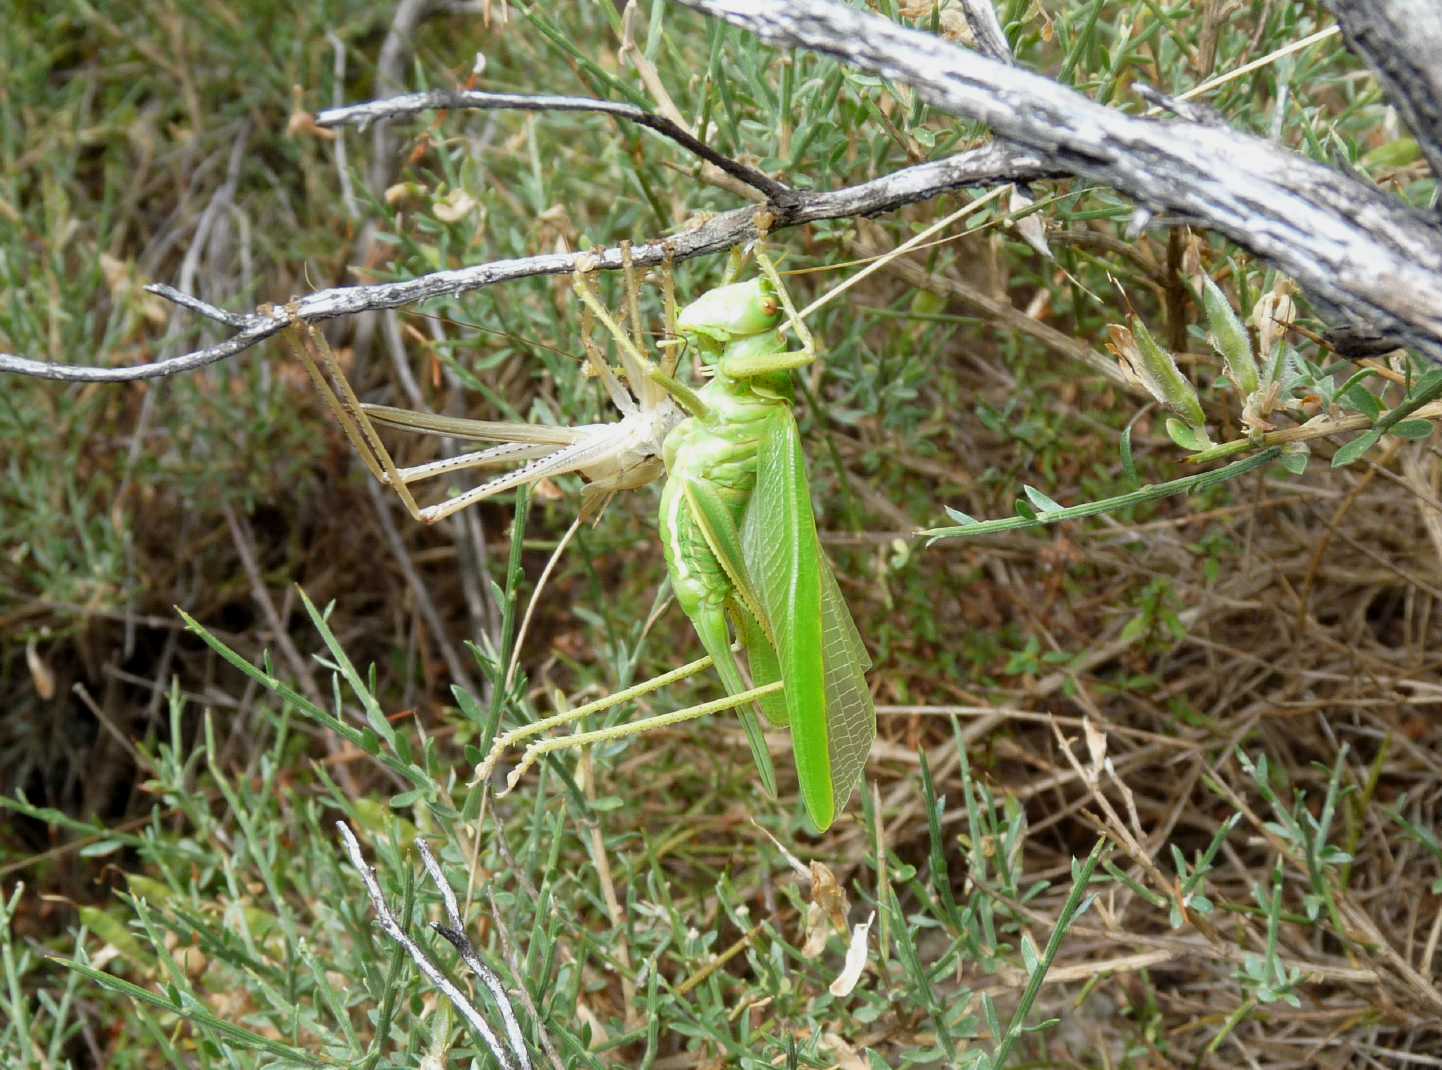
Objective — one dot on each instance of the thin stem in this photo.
(1319, 429)
(536, 598)
(1184, 485)
(1082, 875)
(432, 973)
(910, 243)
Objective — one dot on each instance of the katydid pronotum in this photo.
(736, 520)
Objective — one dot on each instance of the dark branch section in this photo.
(1363, 256)
(1401, 40)
(363, 115)
(984, 166)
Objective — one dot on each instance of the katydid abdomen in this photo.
(755, 561)
(712, 458)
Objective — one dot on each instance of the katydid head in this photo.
(729, 313)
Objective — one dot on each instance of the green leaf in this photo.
(963, 519)
(1135, 628)
(1295, 457)
(374, 715)
(1362, 400)
(1430, 380)
(101, 849)
(1187, 436)
(1024, 509)
(1040, 500)
(1398, 153)
(1030, 953)
(1129, 464)
(1414, 430)
(470, 708)
(1229, 338)
(1165, 379)
(117, 935)
(927, 303)
(1354, 449)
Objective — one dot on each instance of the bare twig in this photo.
(397, 51)
(986, 29)
(342, 160)
(1362, 255)
(1401, 40)
(455, 934)
(363, 115)
(982, 166)
(196, 305)
(511, 1055)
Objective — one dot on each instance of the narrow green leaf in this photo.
(1129, 463)
(1030, 953)
(1294, 457)
(1040, 500)
(101, 849)
(1229, 338)
(374, 715)
(470, 708)
(1415, 430)
(1176, 390)
(1354, 449)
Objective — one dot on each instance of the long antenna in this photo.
(910, 243)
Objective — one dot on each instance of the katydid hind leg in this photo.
(712, 516)
(765, 666)
(710, 625)
(349, 412)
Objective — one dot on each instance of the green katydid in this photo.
(736, 525)
(741, 544)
